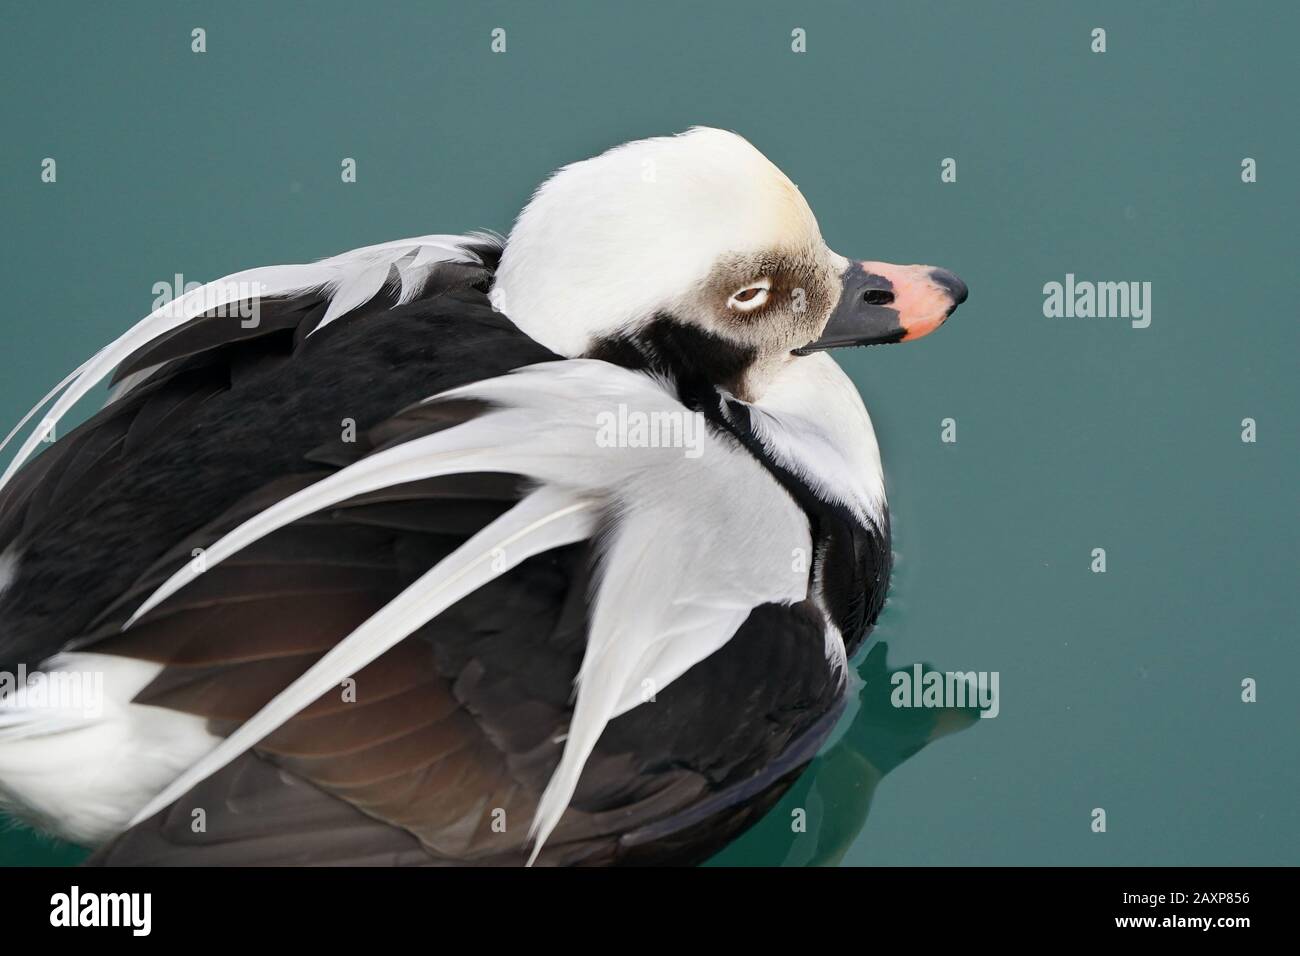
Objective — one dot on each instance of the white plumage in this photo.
(82, 776)
(606, 243)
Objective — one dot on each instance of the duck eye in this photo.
(750, 297)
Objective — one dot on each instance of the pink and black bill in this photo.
(883, 303)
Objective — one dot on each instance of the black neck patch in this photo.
(851, 560)
(696, 360)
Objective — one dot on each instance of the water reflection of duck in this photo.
(819, 817)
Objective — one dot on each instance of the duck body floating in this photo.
(363, 582)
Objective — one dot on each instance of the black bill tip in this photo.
(952, 284)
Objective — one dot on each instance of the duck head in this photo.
(695, 256)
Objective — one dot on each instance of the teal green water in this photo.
(1120, 690)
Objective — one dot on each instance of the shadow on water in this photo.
(833, 796)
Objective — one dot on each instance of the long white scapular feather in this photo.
(546, 519)
(668, 596)
(8, 568)
(22, 422)
(352, 279)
